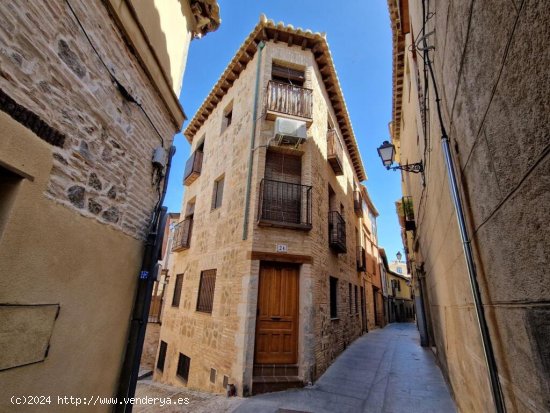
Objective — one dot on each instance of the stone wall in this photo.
(103, 170)
(72, 234)
(491, 64)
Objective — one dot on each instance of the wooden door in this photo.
(277, 315)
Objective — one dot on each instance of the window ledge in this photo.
(335, 319)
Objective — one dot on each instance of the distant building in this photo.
(88, 93)
(400, 295)
(269, 281)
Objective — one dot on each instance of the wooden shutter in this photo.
(291, 75)
(283, 167)
(207, 284)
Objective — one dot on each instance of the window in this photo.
(399, 270)
(350, 301)
(205, 299)
(333, 297)
(184, 363)
(213, 374)
(227, 116)
(356, 302)
(287, 75)
(9, 184)
(177, 291)
(217, 195)
(162, 355)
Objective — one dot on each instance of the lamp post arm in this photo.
(412, 167)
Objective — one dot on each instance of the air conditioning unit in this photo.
(290, 131)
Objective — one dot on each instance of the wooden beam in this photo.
(304, 43)
(280, 257)
(276, 36)
(290, 40)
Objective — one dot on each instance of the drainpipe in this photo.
(261, 45)
(140, 313)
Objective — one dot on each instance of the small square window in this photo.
(184, 363)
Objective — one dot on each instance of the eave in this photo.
(267, 30)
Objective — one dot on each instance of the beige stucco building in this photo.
(88, 91)
(269, 281)
(490, 65)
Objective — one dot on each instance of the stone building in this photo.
(400, 296)
(374, 285)
(490, 65)
(270, 283)
(88, 91)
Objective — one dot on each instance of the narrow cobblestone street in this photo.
(385, 371)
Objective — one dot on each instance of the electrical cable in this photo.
(120, 87)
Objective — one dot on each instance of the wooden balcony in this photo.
(358, 203)
(361, 259)
(337, 232)
(193, 168)
(182, 235)
(290, 100)
(335, 152)
(285, 205)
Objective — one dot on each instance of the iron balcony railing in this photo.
(337, 232)
(289, 99)
(408, 213)
(357, 203)
(182, 235)
(361, 259)
(193, 168)
(335, 152)
(285, 204)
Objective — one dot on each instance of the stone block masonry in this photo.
(63, 73)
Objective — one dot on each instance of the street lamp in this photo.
(399, 255)
(386, 151)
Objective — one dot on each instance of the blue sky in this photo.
(359, 36)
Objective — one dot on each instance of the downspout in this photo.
(261, 45)
(140, 313)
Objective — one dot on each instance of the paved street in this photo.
(386, 371)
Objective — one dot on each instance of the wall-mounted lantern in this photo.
(387, 154)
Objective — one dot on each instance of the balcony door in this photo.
(277, 315)
(282, 190)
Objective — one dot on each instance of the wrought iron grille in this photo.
(285, 204)
(337, 231)
(182, 235)
(205, 300)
